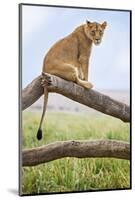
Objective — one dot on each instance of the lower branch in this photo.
(79, 149)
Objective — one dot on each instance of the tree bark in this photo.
(88, 97)
(79, 149)
(32, 93)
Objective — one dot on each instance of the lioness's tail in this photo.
(39, 132)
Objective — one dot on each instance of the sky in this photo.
(109, 65)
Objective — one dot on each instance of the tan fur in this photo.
(69, 57)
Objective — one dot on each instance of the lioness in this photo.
(69, 57)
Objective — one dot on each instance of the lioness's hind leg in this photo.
(68, 72)
(65, 71)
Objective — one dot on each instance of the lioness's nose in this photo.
(97, 40)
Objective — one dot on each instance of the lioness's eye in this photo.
(101, 32)
(93, 32)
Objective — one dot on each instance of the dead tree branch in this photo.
(90, 98)
(79, 149)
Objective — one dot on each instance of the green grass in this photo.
(72, 174)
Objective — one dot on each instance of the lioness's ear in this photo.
(87, 22)
(104, 25)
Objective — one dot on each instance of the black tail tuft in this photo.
(39, 134)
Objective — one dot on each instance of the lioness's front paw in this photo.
(88, 85)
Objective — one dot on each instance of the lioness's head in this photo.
(94, 31)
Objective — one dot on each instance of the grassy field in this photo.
(72, 174)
